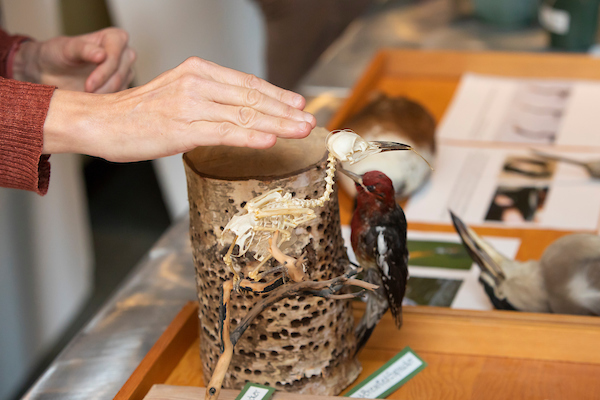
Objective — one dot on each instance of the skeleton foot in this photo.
(295, 268)
(254, 274)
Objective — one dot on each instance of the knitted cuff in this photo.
(9, 45)
(23, 110)
(10, 59)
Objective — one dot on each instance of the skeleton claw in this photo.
(254, 274)
(237, 280)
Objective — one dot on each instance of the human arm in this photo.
(98, 62)
(198, 103)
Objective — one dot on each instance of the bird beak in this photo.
(355, 177)
(488, 259)
(390, 146)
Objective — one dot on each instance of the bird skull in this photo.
(346, 145)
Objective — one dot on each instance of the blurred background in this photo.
(61, 256)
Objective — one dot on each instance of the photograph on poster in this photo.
(443, 254)
(523, 184)
(517, 204)
(510, 187)
(535, 112)
(437, 292)
(449, 278)
(523, 111)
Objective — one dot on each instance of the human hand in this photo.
(98, 62)
(198, 103)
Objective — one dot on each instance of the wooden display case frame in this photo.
(470, 354)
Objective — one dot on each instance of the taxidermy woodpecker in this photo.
(565, 280)
(379, 243)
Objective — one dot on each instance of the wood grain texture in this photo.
(166, 392)
(449, 64)
(452, 376)
(164, 355)
(506, 334)
(188, 371)
(475, 354)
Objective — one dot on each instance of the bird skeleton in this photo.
(273, 211)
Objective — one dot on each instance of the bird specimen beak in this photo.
(355, 177)
(488, 259)
(390, 146)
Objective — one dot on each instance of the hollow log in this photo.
(303, 343)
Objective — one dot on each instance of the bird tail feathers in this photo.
(377, 305)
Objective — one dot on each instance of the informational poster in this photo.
(492, 168)
(508, 187)
(524, 111)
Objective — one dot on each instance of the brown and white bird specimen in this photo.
(565, 280)
(395, 119)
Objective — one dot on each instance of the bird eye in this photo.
(371, 188)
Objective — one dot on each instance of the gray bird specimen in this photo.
(565, 280)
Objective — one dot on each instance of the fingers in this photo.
(253, 99)
(80, 50)
(215, 72)
(228, 134)
(251, 119)
(116, 64)
(121, 79)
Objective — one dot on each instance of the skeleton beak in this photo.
(389, 146)
(488, 259)
(355, 177)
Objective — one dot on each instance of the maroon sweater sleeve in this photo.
(23, 109)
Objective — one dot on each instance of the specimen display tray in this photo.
(469, 354)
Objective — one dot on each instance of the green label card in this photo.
(387, 379)
(254, 391)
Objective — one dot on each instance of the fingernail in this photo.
(309, 118)
(304, 126)
(298, 100)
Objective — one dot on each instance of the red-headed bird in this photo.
(379, 243)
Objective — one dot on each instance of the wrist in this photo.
(25, 67)
(72, 123)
